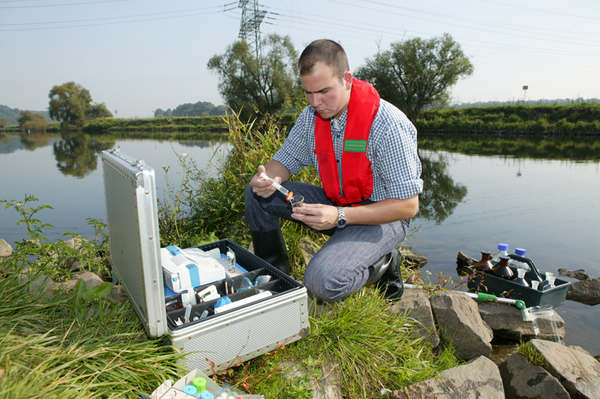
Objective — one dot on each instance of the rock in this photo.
(478, 379)
(5, 249)
(415, 303)
(118, 294)
(90, 279)
(411, 259)
(578, 274)
(501, 352)
(328, 386)
(507, 322)
(585, 291)
(523, 380)
(573, 366)
(459, 322)
(307, 248)
(463, 260)
(75, 242)
(325, 387)
(43, 283)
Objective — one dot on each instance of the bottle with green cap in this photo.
(199, 383)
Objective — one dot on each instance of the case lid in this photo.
(132, 212)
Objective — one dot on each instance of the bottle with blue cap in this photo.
(502, 252)
(517, 264)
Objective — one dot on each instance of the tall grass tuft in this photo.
(75, 344)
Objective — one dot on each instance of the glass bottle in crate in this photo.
(485, 263)
(521, 278)
(503, 270)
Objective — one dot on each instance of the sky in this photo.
(139, 55)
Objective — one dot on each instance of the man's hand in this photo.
(261, 186)
(317, 216)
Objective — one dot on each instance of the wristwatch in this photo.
(341, 220)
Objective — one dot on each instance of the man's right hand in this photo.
(261, 186)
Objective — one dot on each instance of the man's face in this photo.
(327, 93)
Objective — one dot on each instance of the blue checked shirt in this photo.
(392, 150)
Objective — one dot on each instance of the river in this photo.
(470, 203)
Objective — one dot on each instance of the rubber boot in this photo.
(385, 273)
(270, 246)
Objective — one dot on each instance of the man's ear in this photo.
(348, 80)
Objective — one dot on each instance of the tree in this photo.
(98, 111)
(417, 73)
(3, 122)
(265, 85)
(31, 122)
(71, 104)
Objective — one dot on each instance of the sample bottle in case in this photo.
(485, 264)
(517, 264)
(503, 270)
(501, 253)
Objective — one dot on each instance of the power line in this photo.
(95, 22)
(66, 4)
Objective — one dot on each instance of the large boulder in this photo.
(507, 322)
(460, 323)
(411, 259)
(478, 379)
(585, 291)
(524, 380)
(573, 366)
(5, 249)
(578, 274)
(90, 280)
(415, 304)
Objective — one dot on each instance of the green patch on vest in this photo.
(355, 145)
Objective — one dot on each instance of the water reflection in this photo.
(35, 140)
(550, 147)
(75, 153)
(440, 194)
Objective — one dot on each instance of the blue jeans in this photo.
(341, 266)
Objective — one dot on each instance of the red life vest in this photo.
(357, 175)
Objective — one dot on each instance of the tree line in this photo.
(412, 74)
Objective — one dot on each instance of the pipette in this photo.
(288, 194)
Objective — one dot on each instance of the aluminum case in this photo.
(221, 340)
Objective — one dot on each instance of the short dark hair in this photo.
(326, 51)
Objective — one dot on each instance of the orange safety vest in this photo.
(357, 174)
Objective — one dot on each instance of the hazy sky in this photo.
(139, 55)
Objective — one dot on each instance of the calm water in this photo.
(470, 203)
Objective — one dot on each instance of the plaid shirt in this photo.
(392, 150)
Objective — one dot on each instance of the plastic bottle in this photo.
(502, 252)
(517, 264)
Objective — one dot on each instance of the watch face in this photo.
(341, 222)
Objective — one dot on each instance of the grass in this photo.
(533, 355)
(370, 348)
(81, 344)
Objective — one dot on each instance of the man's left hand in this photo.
(317, 216)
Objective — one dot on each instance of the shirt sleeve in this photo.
(297, 149)
(395, 156)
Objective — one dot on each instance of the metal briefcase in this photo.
(212, 343)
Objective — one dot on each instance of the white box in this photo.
(220, 340)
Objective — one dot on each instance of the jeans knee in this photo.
(330, 286)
